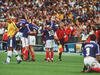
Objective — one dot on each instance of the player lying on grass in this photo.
(91, 53)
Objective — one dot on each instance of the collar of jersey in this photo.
(92, 41)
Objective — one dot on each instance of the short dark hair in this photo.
(92, 37)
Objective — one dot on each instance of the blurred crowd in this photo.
(79, 17)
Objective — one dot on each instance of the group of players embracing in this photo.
(27, 32)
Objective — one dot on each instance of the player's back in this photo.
(91, 49)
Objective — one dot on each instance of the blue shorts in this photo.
(11, 42)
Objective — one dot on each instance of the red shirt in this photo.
(5, 36)
(98, 34)
(68, 31)
(60, 33)
(88, 40)
(73, 32)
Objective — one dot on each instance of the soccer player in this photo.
(12, 30)
(49, 34)
(32, 30)
(91, 53)
(25, 45)
(4, 38)
(21, 26)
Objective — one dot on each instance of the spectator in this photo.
(5, 38)
(71, 11)
(1, 31)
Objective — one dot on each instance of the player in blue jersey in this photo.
(49, 34)
(91, 53)
(31, 30)
(21, 25)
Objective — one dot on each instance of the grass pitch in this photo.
(71, 65)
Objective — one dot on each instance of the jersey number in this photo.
(87, 51)
(51, 33)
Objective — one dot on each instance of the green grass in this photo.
(71, 65)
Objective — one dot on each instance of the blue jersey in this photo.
(91, 49)
(33, 27)
(22, 22)
(48, 34)
(29, 28)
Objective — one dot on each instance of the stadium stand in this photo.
(81, 16)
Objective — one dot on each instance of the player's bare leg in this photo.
(32, 52)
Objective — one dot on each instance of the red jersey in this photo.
(98, 34)
(60, 33)
(5, 36)
(68, 31)
(73, 31)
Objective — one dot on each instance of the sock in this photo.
(22, 52)
(84, 68)
(52, 54)
(96, 69)
(33, 57)
(47, 54)
(16, 55)
(60, 55)
(9, 54)
(26, 54)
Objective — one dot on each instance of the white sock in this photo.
(16, 54)
(9, 54)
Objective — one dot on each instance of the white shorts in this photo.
(31, 40)
(24, 42)
(49, 44)
(91, 61)
(19, 35)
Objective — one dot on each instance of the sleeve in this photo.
(57, 32)
(18, 25)
(97, 50)
(15, 25)
(97, 34)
